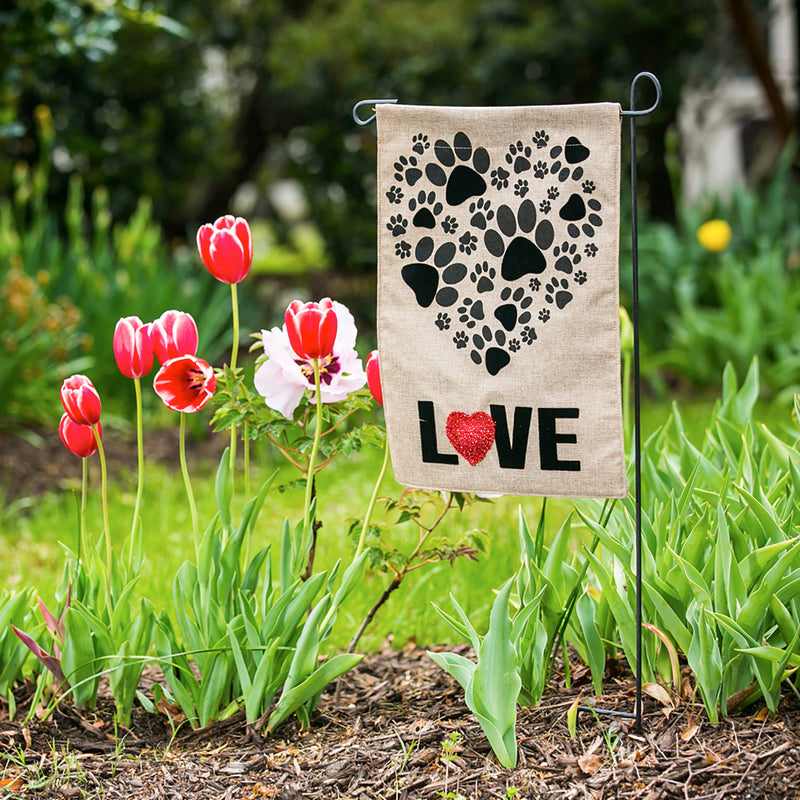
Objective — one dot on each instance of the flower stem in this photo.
(188, 484)
(234, 354)
(84, 490)
(104, 499)
(137, 385)
(314, 448)
(365, 527)
(246, 437)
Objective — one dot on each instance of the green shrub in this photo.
(702, 309)
(82, 260)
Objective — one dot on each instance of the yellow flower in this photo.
(714, 235)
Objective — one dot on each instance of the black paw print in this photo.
(460, 180)
(579, 277)
(482, 213)
(483, 276)
(402, 249)
(544, 206)
(535, 284)
(500, 178)
(443, 321)
(460, 340)
(397, 225)
(528, 334)
(467, 243)
(588, 187)
(513, 311)
(558, 292)
(566, 256)
(395, 194)
(470, 312)
(540, 139)
(518, 157)
(521, 188)
(427, 209)
(420, 143)
(552, 193)
(513, 345)
(539, 169)
(544, 315)
(449, 224)
(495, 358)
(406, 169)
(590, 250)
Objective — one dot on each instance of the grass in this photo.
(343, 492)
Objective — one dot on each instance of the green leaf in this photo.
(224, 489)
(291, 700)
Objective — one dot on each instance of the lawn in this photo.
(35, 535)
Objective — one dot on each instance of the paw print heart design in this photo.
(472, 435)
(485, 241)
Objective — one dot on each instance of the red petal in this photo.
(228, 257)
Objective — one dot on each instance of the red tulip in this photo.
(133, 348)
(311, 328)
(374, 377)
(78, 439)
(226, 248)
(185, 383)
(173, 334)
(81, 400)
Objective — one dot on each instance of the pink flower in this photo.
(78, 439)
(283, 378)
(173, 334)
(185, 383)
(81, 400)
(133, 348)
(226, 248)
(374, 377)
(311, 328)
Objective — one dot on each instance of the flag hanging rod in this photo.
(629, 113)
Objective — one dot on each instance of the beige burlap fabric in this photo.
(498, 309)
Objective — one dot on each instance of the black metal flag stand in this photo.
(632, 114)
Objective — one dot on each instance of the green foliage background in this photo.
(185, 101)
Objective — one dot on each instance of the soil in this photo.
(34, 461)
(385, 735)
(383, 738)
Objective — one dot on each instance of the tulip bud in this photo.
(311, 328)
(173, 334)
(78, 439)
(374, 377)
(226, 248)
(81, 400)
(133, 348)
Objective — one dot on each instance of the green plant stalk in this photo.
(137, 385)
(246, 438)
(189, 494)
(365, 527)
(627, 364)
(82, 521)
(314, 448)
(104, 499)
(561, 629)
(234, 354)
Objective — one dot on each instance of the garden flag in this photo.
(498, 298)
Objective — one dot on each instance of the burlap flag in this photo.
(498, 309)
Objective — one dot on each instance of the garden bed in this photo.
(400, 729)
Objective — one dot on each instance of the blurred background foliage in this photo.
(125, 124)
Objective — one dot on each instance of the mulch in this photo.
(383, 738)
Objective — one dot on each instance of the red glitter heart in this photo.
(470, 434)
